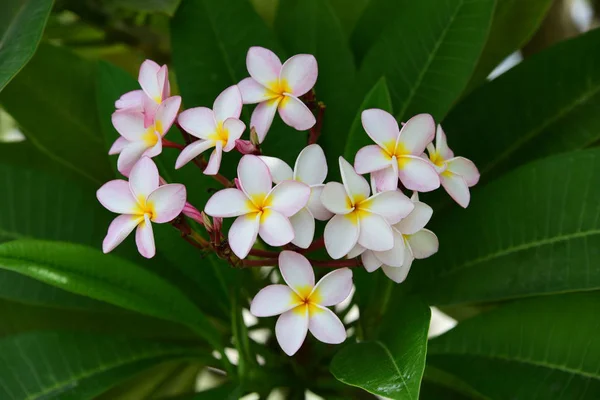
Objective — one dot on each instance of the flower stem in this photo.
(263, 253)
(168, 143)
(315, 263)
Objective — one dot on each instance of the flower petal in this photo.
(398, 275)
(144, 238)
(198, 121)
(163, 81)
(391, 205)
(130, 155)
(288, 197)
(133, 101)
(341, 234)
(416, 134)
(263, 65)
(243, 232)
(275, 229)
(304, 228)
(274, 300)
(385, 179)
(129, 124)
(116, 196)
(375, 232)
(382, 127)
(311, 165)
(335, 199)
(299, 74)
(370, 262)
(326, 326)
(148, 79)
(395, 256)
(143, 178)
(228, 104)
(118, 146)
(356, 186)
(166, 114)
(234, 128)
(423, 244)
(262, 117)
(254, 178)
(214, 162)
(228, 203)
(371, 158)
(441, 144)
(291, 329)
(119, 229)
(192, 150)
(456, 187)
(297, 272)
(278, 168)
(356, 251)
(416, 220)
(316, 207)
(418, 174)
(465, 168)
(167, 202)
(295, 113)
(333, 288)
(253, 92)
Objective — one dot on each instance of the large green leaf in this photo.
(392, 366)
(88, 272)
(348, 12)
(164, 6)
(427, 51)
(545, 105)
(533, 231)
(53, 100)
(21, 25)
(75, 365)
(543, 348)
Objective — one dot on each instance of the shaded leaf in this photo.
(163, 6)
(349, 13)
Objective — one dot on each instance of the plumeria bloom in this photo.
(138, 139)
(302, 304)
(398, 152)
(359, 218)
(218, 128)
(457, 174)
(260, 209)
(141, 201)
(276, 87)
(311, 169)
(411, 241)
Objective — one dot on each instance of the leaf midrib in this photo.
(387, 352)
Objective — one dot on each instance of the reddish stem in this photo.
(315, 131)
(315, 245)
(315, 263)
(168, 143)
(263, 253)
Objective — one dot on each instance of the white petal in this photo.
(416, 134)
(134, 101)
(392, 205)
(441, 144)
(275, 229)
(423, 244)
(253, 92)
(214, 162)
(288, 197)
(356, 186)
(119, 229)
(263, 65)
(356, 251)
(279, 169)
(144, 238)
(304, 228)
(254, 178)
(371, 158)
(316, 207)
(418, 174)
(262, 117)
(382, 127)
(143, 178)
(166, 114)
(341, 234)
(148, 79)
(116, 196)
(456, 187)
(295, 113)
(291, 329)
(375, 232)
(311, 165)
(333, 288)
(465, 168)
(416, 220)
(395, 256)
(118, 146)
(326, 326)
(398, 275)
(299, 74)
(297, 272)
(167, 202)
(335, 199)
(273, 300)
(199, 122)
(234, 128)
(242, 234)
(130, 155)
(228, 203)
(129, 124)
(192, 151)
(370, 261)
(228, 104)
(385, 179)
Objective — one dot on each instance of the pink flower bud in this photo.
(192, 212)
(237, 183)
(246, 147)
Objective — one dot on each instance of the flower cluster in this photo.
(373, 224)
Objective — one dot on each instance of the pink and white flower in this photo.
(311, 169)
(218, 128)
(138, 139)
(411, 241)
(277, 87)
(359, 218)
(140, 202)
(398, 152)
(457, 174)
(302, 304)
(259, 208)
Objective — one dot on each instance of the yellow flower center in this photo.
(221, 134)
(305, 299)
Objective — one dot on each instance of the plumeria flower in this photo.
(140, 201)
(260, 209)
(218, 128)
(138, 139)
(277, 87)
(411, 241)
(397, 153)
(302, 304)
(359, 218)
(311, 169)
(457, 174)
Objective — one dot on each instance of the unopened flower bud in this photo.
(192, 212)
(246, 147)
(207, 223)
(254, 137)
(237, 183)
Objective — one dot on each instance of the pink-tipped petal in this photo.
(273, 300)
(423, 244)
(457, 188)
(382, 127)
(242, 234)
(228, 104)
(288, 197)
(341, 234)
(130, 155)
(465, 168)
(167, 202)
(441, 144)
(416, 134)
(214, 162)
(315, 206)
(291, 329)
(391, 205)
(254, 177)
(143, 178)
(370, 159)
(335, 199)
(278, 168)
(166, 114)
(235, 128)
(385, 179)
(375, 232)
(356, 186)
(263, 65)
(144, 238)
(275, 229)
(129, 124)
(148, 79)
(228, 203)
(303, 224)
(395, 256)
(333, 288)
(163, 81)
(262, 117)
(326, 326)
(118, 146)
(116, 196)
(418, 174)
(416, 220)
(133, 101)
(370, 261)
(253, 92)
(297, 272)
(300, 73)
(119, 229)
(311, 165)
(192, 150)
(198, 121)
(295, 113)
(356, 251)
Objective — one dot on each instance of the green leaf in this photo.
(53, 100)
(162, 6)
(427, 51)
(392, 366)
(22, 23)
(534, 231)
(542, 348)
(545, 105)
(75, 365)
(514, 23)
(348, 12)
(106, 278)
